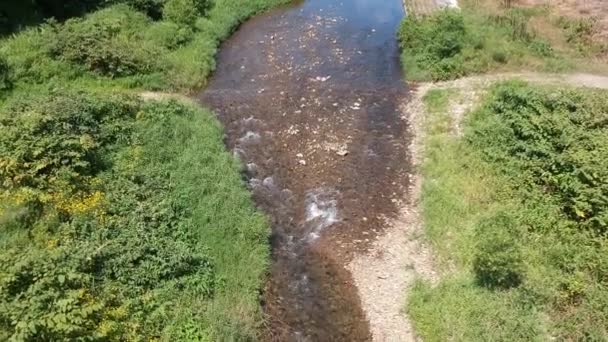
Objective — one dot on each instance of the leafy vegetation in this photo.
(453, 43)
(5, 75)
(122, 219)
(517, 208)
(127, 48)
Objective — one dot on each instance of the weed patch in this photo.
(517, 207)
(106, 228)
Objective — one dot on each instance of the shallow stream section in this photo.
(309, 97)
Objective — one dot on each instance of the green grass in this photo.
(121, 219)
(522, 193)
(126, 48)
(452, 43)
(206, 180)
(138, 221)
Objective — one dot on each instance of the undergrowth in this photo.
(516, 209)
(119, 46)
(123, 220)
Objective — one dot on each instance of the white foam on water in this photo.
(268, 182)
(249, 138)
(252, 168)
(254, 182)
(321, 211)
(238, 153)
(250, 119)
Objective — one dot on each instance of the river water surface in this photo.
(309, 96)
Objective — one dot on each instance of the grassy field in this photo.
(516, 210)
(483, 36)
(122, 219)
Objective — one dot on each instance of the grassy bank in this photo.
(122, 219)
(516, 209)
(483, 36)
(122, 47)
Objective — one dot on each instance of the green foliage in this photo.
(153, 8)
(182, 12)
(116, 228)
(515, 22)
(579, 32)
(558, 140)
(516, 208)
(128, 46)
(122, 220)
(435, 42)
(458, 309)
(497, 262)
(452, 43)
(108, 42)
(5, 75)
(169, 35)
(57, 139)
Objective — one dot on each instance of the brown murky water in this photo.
(309, 98)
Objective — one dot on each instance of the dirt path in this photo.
(472, 88)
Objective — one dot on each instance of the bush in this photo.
(106, 249)
(515, 21)
(498, 261)
(60, 138)
(436, 44)
(500, 56)
(540, 129)
(169, 35)
(184, 12)
(108, 42)
(436, 37)
(453, 43)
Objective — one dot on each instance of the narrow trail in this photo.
(311, 99)
(471, 90)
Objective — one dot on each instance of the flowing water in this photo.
(309, 96)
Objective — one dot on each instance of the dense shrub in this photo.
(63, 138)
(557, 141)
(453, 43)
(153, 8)
(169, 35)
(498, 262)
(435, 42)
(551, 145)
(515, 21)
(184, 12)
(108, 247)
(181, 12)
(122, 220)
(108, 42)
